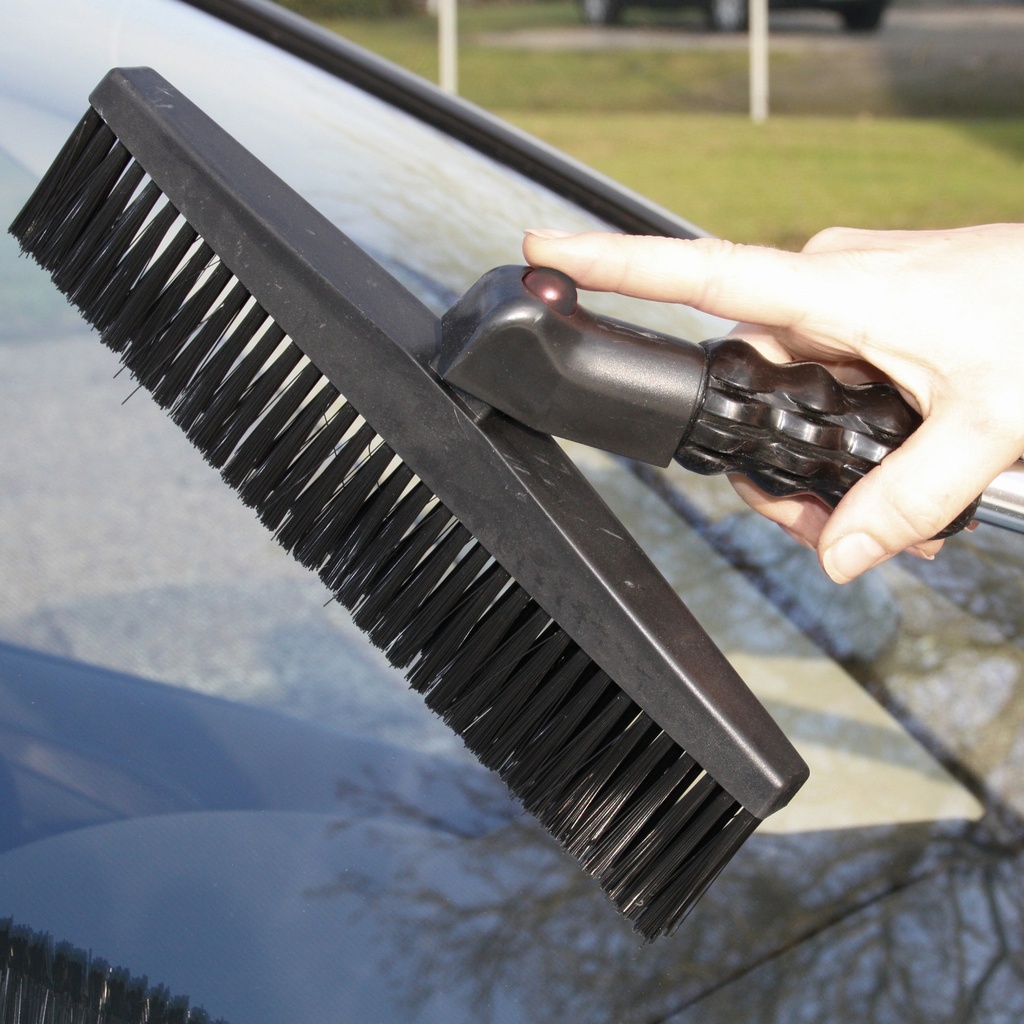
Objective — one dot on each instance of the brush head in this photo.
(468, 548)
(42, 982)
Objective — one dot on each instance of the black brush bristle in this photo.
(42, 982)
(581, 755)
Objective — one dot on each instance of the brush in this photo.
(43, 982)
(466, 546)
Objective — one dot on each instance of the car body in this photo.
(731, 15)
(209, 777)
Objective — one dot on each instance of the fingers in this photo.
(911, 496)
(802, 516)
(771, 346)
(737, 282)
(834, 239)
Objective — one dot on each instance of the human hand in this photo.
(939, 313)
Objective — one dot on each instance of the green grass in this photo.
(838, 149)
(780, 182)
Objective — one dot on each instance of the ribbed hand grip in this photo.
(793, 428)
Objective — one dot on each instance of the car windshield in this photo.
(209, 776)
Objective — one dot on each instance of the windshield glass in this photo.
(209, 776)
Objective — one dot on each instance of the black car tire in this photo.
(727, 15)
(864, 17)
(601, 12)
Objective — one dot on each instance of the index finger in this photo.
(729, 280)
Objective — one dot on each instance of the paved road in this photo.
(988, 29)
(937, 61)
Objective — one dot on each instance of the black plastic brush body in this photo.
(466, 545)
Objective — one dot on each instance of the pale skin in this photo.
(939, 313)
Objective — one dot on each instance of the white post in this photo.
(758, 61)
(447, 45)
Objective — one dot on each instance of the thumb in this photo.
(915, 493)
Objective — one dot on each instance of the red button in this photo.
(553, 288)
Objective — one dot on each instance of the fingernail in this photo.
(851, 555)
(921, 553)
(549, 233)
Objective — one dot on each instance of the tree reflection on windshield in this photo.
(916, 923)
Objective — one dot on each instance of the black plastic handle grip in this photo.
(793, 428)
(519, 341)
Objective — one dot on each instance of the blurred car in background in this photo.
(210, 778)
(731, 15)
